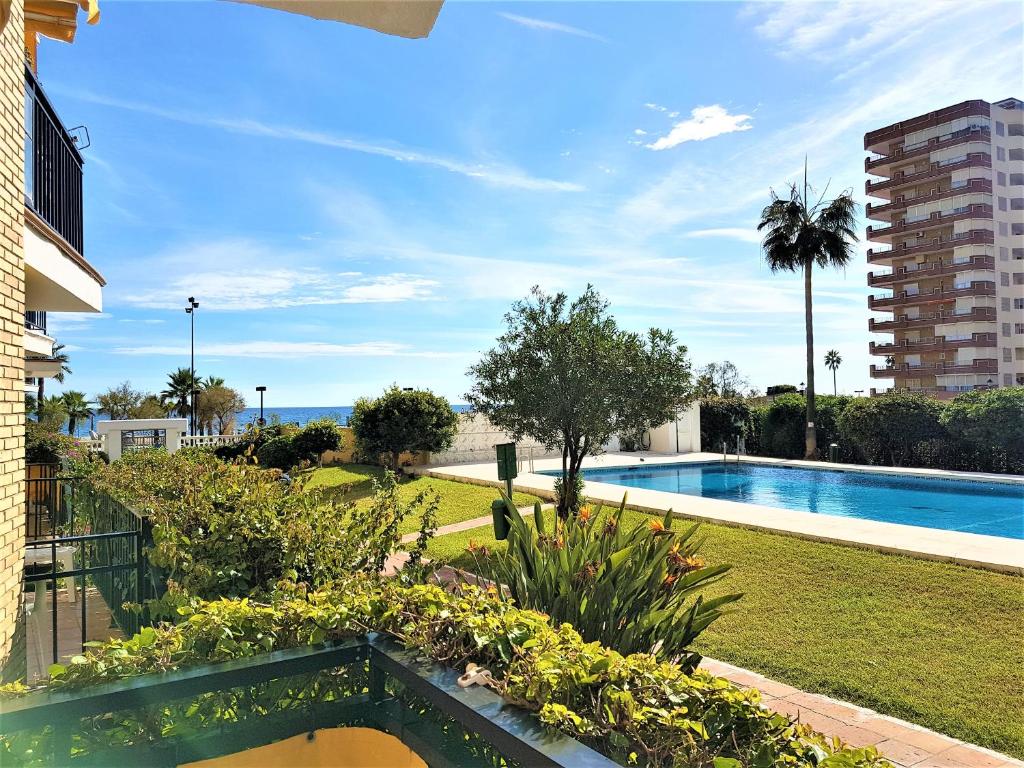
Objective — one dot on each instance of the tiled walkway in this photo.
(39, 630)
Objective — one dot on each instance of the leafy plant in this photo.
(634, 590)
(44, 445)
(317, 437)
(278, 453)
(401, 421)
(887, 429)
(722, 420)
(991, 422)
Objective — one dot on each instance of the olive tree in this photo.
(566, 375)
(400, 421)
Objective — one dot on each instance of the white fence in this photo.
(208, 441)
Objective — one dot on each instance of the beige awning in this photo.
(405, 18)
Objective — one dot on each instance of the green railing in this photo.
(222, 709)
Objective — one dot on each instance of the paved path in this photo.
(468, 525)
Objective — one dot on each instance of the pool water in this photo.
(995, 509)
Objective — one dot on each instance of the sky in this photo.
(353, 210)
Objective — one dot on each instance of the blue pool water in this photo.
(995, 509)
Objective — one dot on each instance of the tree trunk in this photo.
(835, 387)
(41, 385)
(71, 425)
(811, 437)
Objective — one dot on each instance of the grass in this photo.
(933, 643)
(459, 501)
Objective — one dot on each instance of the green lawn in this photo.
(459, 501)
(936, 644)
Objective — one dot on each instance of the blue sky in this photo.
(353, 210)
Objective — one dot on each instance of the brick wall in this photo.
(12, 293)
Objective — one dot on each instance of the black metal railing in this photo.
(36, 320)
(53, 166)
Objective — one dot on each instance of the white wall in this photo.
(110, 432)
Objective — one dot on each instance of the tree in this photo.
(212, 381)
(52, 413)
(887, 429)
(564, 374)
(399, 421)
(799, 235)
(120, 402)
(150, 407)
(77, 408)
(990, 421)
(178, 393)
(61, 357)
(218, 407)
(832, 362)
(720, 380)
(316, 437)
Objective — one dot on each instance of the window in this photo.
(1019, 353)
(1003, 229)
(1018, 303)
(1000, 129)
(1018, 253)
(1007, 379)
(1000, 153)
(1007, 355)
(1017, 154)
(1018, 278)
(1000, 178)
(1004, 278)
(1018, 329)
(1005, 303)
(1006, 330)
(1002, 204)
(1016, 179)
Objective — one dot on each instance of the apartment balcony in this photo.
(879, 140)
(936, 219)
(900, 203)
(935, 344)
(57, 276)
(880, 165)
(907, 299)
(984, 366)
(931, 269)
(37, 343)
(935, 170)
(903, 323)
(973, 237)
(939, 393)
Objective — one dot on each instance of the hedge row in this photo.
(632, 708)
(979, 431)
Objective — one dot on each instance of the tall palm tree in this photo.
(61, 357)
(178, 393)
(52, 413)
(212, 381)
(77, 408)
(799, 235)
(832, 362)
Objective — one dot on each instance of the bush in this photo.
(633, 590)
(723, 419)
(398, 422)
(632, 708)
(887, 430)
(254, 438)
(782, 429)
(278, 453)
(991, 423)
(317, 437)
(45, 446)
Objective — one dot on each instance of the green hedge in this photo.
(632, 708)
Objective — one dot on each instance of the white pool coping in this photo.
(994, 553)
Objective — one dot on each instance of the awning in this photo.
(405, 18)
(58, 19)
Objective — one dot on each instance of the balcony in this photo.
(936, 219)
(931, 269)
(905, 298)
(936, 344)
(935, 170)
(876, 210)
(883, 137)
(972, 315)
(973, 237)
(939, 393)
(907, 151)
(984, 366)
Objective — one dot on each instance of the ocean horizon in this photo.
(300, 415)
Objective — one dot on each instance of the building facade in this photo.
(947, 232)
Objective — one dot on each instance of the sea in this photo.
(296, 415)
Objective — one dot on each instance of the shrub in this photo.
(317, 437)
(782, 430)
(45, 446)
(886, 430)
(779, 389)
(991, 422)
(278, 453)
(632, 708)
(398, 422)
(634, 590)
(723, 419)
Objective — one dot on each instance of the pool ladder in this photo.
(725, 451)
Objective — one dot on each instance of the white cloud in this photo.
(550, 26)
(285, 350)
(747, 235)
(704, 123)
(499, 175)
(639, 132)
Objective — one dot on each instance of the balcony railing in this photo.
(971, 315)
(907, 151)
(931, 269)
(53, 167)
(972, 237)
(906, 298)
(935, 369)
(935, 219)
(890, 133)
(36, 321)
(900, 203)
(936, 344)
(899, 179)
(939, 393)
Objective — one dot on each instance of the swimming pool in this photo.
(995, 509)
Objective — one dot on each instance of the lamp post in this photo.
(190, 310)
(261, 421)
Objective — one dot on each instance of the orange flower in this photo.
(670, 579)
(584, 514)
(694, 563)
(656, 526)
(472, 546)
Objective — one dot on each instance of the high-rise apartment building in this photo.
(948, 233)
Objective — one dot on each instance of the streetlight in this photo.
(261, 421)
(190, 310)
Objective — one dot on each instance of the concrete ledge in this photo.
(993, 553)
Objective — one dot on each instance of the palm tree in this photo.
(801, 234)
(52, 413)
(832, 362)
(77, 408)
(178, 393)
(212, 381)
(61, 357)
